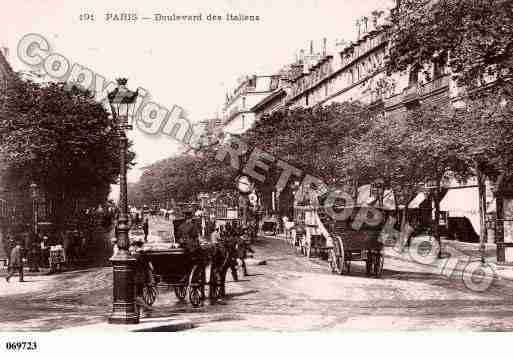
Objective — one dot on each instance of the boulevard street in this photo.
(289, 292)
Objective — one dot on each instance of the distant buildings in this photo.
(5, 73)
(238, 116)
(5, 68)
(353, 71)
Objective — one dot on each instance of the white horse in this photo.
(288, 226)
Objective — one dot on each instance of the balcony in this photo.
(413, 94)
(436, 85)
(394, 100)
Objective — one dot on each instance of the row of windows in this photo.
(349, 76)
(3, 208)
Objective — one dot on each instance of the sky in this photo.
(192, 64)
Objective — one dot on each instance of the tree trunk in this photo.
(355, 194)
(499, 229)
(404, 235)
(436, 227)
(482, 212)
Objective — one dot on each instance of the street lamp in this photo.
(124, 310)
(34, 193)
(377, 190)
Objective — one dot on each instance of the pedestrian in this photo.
(172, 218)
(215, 237)
(9, 243)
(189, 233)
(45, 251)
(231, 249)
(243, 248)
(16, 261)
(145, 228)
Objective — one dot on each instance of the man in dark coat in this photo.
(16, 261)
(146, 229)
(189, 233)
(243, 248)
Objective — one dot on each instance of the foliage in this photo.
(312, 140)
(60, 139)
(309, 139)
(475, 35)
(408, 151)
(488, 134)
(181, 178)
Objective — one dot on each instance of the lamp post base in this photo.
(124, 309)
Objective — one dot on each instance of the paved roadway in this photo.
(290, 292)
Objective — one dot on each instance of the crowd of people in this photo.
(50, 248)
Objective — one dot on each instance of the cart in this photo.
(269, 226)
(56, 257)
(310, 234)
(188, 273)
(351, 244)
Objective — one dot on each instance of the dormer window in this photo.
(438, 68)
(414, 76)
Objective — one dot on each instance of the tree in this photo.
(182, 178)
(407, 152)
(59, 138)
(310, 139)
(475, 36)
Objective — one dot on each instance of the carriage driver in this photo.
(189, 233)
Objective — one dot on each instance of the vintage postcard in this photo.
(255, 166)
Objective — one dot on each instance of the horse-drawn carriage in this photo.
(311, 237)
(354, 239)
(270, 226)
(188, 271)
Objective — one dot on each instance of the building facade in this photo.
(238, 116)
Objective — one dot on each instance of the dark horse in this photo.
(224, 257)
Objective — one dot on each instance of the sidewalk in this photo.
(463, 252)
(166, 324)
(34, 282)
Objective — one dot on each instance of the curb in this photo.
(145, 325)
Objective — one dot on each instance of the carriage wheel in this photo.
(195, 295)
(347, 266)
(213, 284)
(338, 250)
(216, 287)
(378, 264)
(196, 285)
(369, 264)
(149, 294)
(180, 291)
(308, 250)
(332, 260)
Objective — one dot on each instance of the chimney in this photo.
(324, 40)
(5, 52)
(311, 47)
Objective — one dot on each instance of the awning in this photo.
(463, 202)
(491, 207)
(417, 201)
(389, 200)
(364, 196)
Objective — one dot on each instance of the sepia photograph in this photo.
(302, 167)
